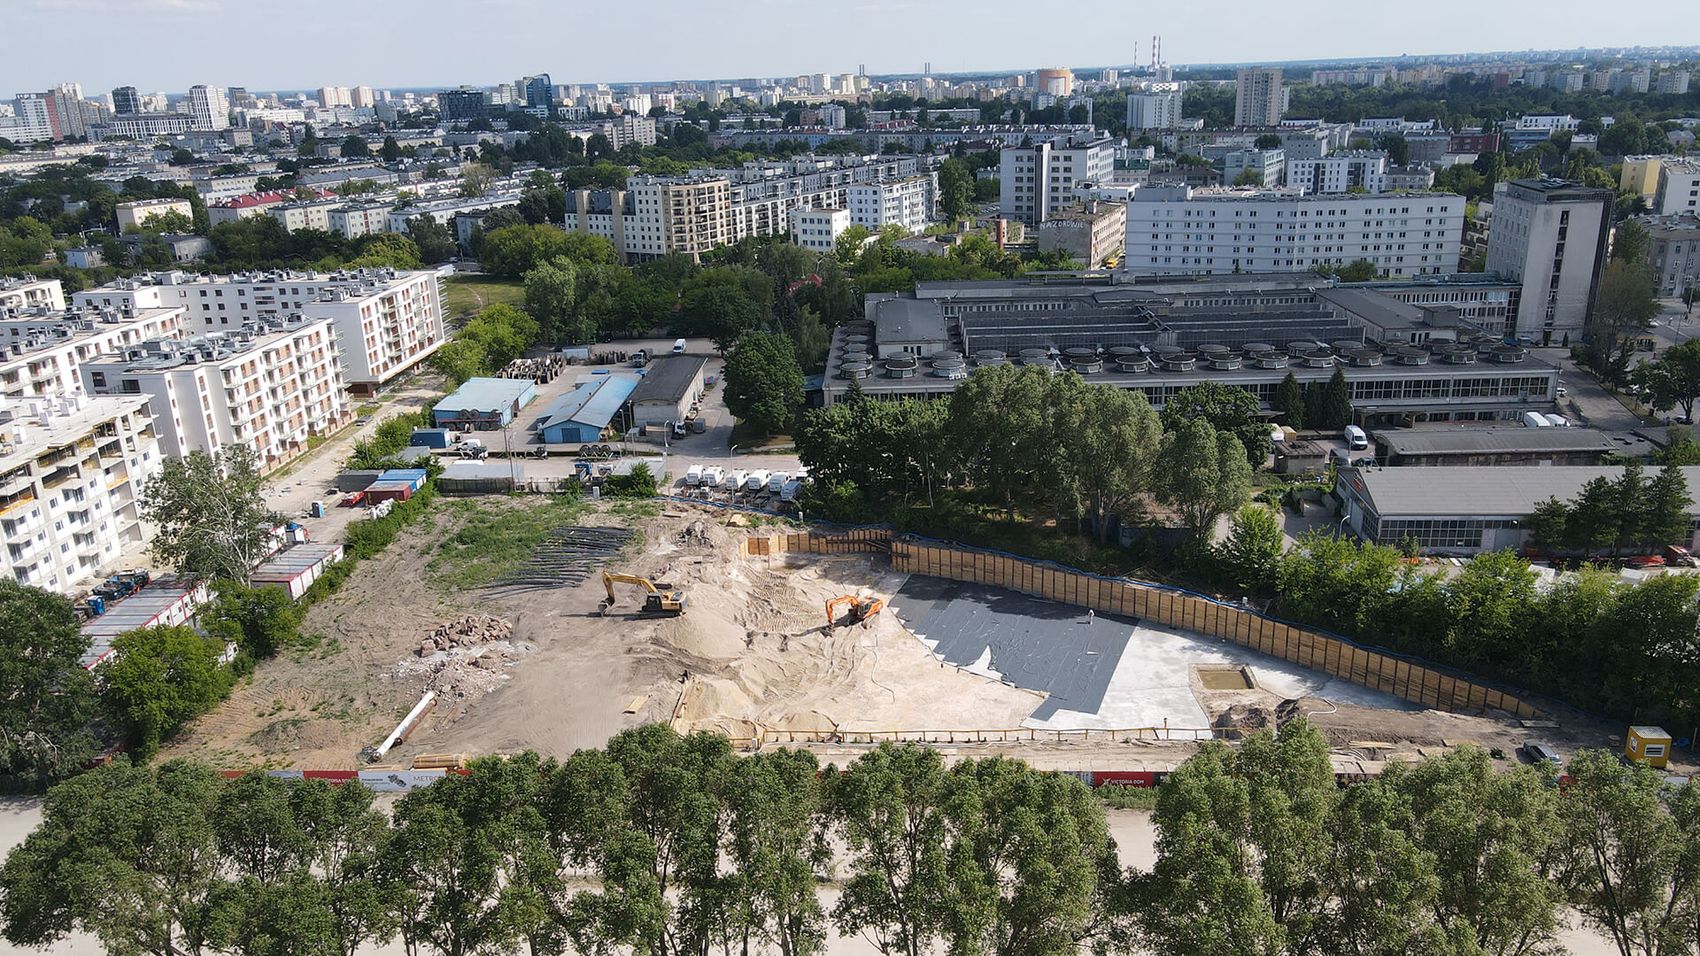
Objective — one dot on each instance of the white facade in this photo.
(133, 215)
(1340, 173)
(1177, 230)
(818, 229)
(1551, 236)
(1679, 188)
(386, 322)
(71, 470)
(1033, 180)
(304, 215)
(1161, 110)
(41, 349)
(269, 386)
(359, 219)
(208, 108)
(28, 292)
(911, 203)
(1267, 165)
(1551, 122)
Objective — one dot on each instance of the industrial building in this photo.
(1506, 445)
(586, 412)
(1550, 235)
(484, 404)
(670, 386)
(71, 471)
(1461, 510)
(1404, 363)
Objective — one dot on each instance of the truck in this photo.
(735, 480)
(756, 480)
(693, 476)
(1535, 420)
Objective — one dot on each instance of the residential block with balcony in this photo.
(41, 347)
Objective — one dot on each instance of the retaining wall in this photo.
(1410, 680)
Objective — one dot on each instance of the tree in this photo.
(1251, 553)
(1665, 508)
(1624, 308)
(1628, 865)
(1290, 401)
(956, 188)
(211, 514)
(161, 678)
(1629, 242)
(725, 302)
(515, 250)
(545, 204)
(391, 150)
(891, 810)
(1673, 378)
(1205, 475)
(1549, 526)
(1107, 442)
(386, 250)
(433, 239)
(475, 179)
(354, 145)
(259, 619)
(1267, 141)
(764, 385)
(998, 432)
(44, 714)
(776, 845)
(551, 296)
(1228, 409)
(123, 853)
(1330, 408)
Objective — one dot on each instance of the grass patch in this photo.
(750, 440)
(464, 295)
(635, 509)
(492, 536)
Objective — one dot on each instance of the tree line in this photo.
(666, 845)
(1631, 512)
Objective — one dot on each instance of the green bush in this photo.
(638, 484)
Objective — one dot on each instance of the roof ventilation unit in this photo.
(1133, 364)
(902, 366)
(1363, 358)
(1408, 355)
(950, 368)
(1509, 354)
(1086, 364)
(985, 358)
(855, 370)
(1035, 357)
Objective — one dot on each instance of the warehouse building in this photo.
(1464, 510)
(583, 414)
(484, 404)
(1506, 445)
(1403, 363)
(671, 386)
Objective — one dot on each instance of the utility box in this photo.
(1648, 745)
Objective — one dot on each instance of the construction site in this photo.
(776, 636)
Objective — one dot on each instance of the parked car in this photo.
(1538, 753)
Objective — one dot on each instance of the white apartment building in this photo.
(305, 215)
(443, 211)
(133, 215)
(385, 321)
(1353, 170)
(146, 125)
(1267, 166)
(1673, 82)
(1174, 229)
(42, 348)
(1679, 187)
(354, 220)
(28, 292)
(208, 108)
(71, 470)
(1550, 235)
(1257, 97)
(268, 385)
(1035, 179)
(1157, 110)
(1550, 122)
(818, 229)
(911, 202)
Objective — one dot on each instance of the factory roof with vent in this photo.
(1509, 440)
(1497, 491)
(901, 321)
(594, 401)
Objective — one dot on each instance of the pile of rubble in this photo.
(465, 632)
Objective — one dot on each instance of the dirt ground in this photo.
(749, 658)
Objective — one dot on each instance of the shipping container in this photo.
(296, 569)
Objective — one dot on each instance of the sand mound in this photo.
(289, 734)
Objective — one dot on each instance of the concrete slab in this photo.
(1100, 672)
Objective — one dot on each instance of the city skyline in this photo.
(409, 48)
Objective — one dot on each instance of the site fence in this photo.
(1408, 679)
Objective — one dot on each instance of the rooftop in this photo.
(485, 394)
(900, 321)
(669, 378)
(1508, 439)
(50, 423)
(1500, 491)
(593, 401)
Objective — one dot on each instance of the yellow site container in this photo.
(1648, 745)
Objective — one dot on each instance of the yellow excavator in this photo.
(658, 598)
(861, 609)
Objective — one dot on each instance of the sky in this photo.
(287, 45)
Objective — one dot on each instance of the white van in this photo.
(1356, 439)
(678, 346)
(693, 476)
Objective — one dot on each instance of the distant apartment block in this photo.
(315, 214)
(1175, 229)
(269, 385)
(134, 215)
(1157, 110)
(1351, 171)
(386, 322)
(71, 470)
(1257, 97)
(208, 108)
(1256, 167)
(910, 202)
(1673, 252)
(356, 219)
(1679, 187)
(1550, 235)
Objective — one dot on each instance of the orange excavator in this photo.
(861, 610)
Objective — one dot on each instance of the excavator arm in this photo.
(860, 609)
(658, 598)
